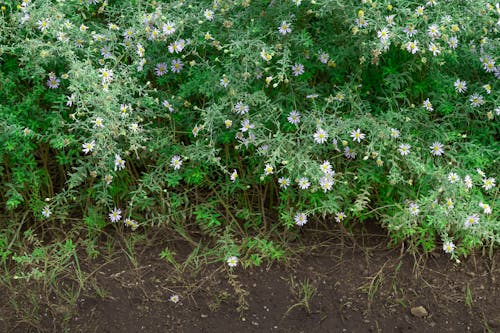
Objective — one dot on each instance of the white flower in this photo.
(357, 135)
(349, 153)
(240, 108)
(383, 34)
(437, 149)
(448, 247)
(106, 75)
(43, 24)
(131, 223)
(298, 69)
(284, 182)
(476, 100)
(228, 123)
(326, 168)
(294, 117)
(453, 177)
(88, 147)
(486, 208)
(434, 49)
(108, 179)
(427, 105)
(268, 170)
(320, 136)
(119, 162)
(234, 175)
(304, 183)
(46, 212)
(404, 149)
(246, 125)
(460, 86)
(232, 261)
(395, 133)
(468, 182)
(433, 31)
(168, 28)
(414, 209)
(168, 105)
(449, 203)
(284, 28)
(265, 55)
(209, 14)
(300, 219)
(326, 183)
(488, 183)
(324, 57)
(176, 162)
(224, 82)
(174, 298)
(471, 220)
(115, 215)
(339, 217)
(453, 42)
(412, 47)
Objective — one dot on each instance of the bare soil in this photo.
(357, 284)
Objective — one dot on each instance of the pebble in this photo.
(419, 311)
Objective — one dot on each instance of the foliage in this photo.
(233, 113)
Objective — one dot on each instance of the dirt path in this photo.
(337, 286)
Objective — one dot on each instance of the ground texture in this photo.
(334, 284)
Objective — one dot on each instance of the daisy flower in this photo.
(448, 247)
(476, 100)
(168, 105)
(304, 183)
(453, 177)
(471, 220)
(320, 136)
(404, 149)
(161, 69)
(460, 86)
(119, 163)
(176, 162)
(265, 55)
(383, 34)
(437, 149)
(324, 57)
(168, 28)
(224, 82)
(395, 133)
(453, 42)
(88, 147)
(108, 179)
(131, 223)
(232, 261)
(228, 123)
(268, 170)
(488, 183)
(240, 108)
(246, 125)
(177, 66)
(294, 117)
(486, 208)
(284, 28)
(209, 14)
(326, 183)
(357, 135)
(298, 69)
(419, 11)
(174, 298)
(106, 75)
(449, 203)
(433, 31)
(434, 49)
(300, 219)
(46, 212)
(410, 31)
(468, 182)
(427, 105)
(340, 216)
(414, 209)
(115, 215)
(53, 82)
(349, 153)
(487, 87)
(326, 168)
(43, 24)
(234, 175)
(412, 47)
(284, 182)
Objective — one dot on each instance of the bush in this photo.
(231, 113)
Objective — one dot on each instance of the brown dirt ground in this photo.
(359, 286)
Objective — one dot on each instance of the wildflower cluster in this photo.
(352, 110)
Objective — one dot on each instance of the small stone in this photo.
(204, 315)
(419, 311)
